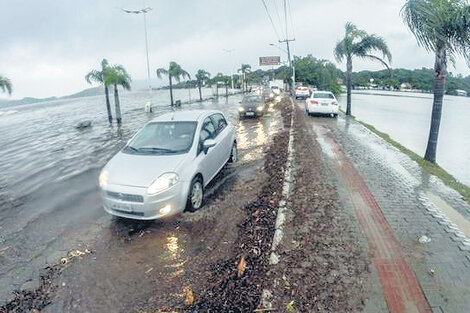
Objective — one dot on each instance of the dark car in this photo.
(251, 106)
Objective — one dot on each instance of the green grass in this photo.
(432, 168)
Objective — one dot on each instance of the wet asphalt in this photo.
(134, 264)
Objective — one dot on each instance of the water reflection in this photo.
(176, 260)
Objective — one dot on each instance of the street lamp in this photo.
(276, 46)
(144, 13)
(229, 51)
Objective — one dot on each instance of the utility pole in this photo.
(288, 53)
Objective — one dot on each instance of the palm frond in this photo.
(161, 71)
(340, 51)
(372, 43)
(376, 58)
(94, 76)
(6, 85)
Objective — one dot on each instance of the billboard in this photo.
(272, 60)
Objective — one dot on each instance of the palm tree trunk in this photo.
(118, 106)
(440, 68)
(108, 105)
(348, 84)
(171, 90)
(226, 89)
(200, 92)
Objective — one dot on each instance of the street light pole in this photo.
(147, 50)
(144, 12)
(230, 53)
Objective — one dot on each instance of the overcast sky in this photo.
(47, 46)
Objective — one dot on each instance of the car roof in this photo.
(322, 91)
(186, 115)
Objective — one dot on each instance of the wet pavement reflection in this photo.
(142, 263)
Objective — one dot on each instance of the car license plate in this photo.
(325, 103)
(122, 207)
(250, 113)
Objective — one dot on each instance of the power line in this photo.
(272, 23)
(277, 12)
(291, 20)
(285, 18)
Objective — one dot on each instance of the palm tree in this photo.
(442, 27)
(116, 75)
(202, 76)
(96, 76)
(174, 71)
(245, 70)
(358, 43)
(5, 84)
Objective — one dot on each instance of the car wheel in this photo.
(335, 115)
(196, 195)
(234, 154)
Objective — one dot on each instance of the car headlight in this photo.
(259, 108)
(103, 179)
(241, 109)
(164, 182)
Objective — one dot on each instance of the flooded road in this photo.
(49, 194)
(406, 118)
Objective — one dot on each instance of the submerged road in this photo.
(129, 257)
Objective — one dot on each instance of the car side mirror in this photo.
(209, 143)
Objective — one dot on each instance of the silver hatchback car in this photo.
(165, 167)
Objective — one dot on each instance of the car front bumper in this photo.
(134, 203)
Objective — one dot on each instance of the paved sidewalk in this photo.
(397, 203)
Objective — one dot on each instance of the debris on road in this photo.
(424, 239)
(189, 296)
(241, 267)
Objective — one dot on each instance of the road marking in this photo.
(282, 208)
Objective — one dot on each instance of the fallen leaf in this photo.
(290, 306)
(189, 295)
(241, 267)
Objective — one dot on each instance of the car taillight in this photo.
(334, 103)
(313, 102)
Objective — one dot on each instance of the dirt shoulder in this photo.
(323, 266)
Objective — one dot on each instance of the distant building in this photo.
(461, 92)
(405, 86)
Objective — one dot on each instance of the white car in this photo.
(302, 92)
(322, 102)
(165, 167)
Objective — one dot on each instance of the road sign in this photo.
(272, 60)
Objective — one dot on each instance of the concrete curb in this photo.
(282, 208)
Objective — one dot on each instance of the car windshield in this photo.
(323, 95)
(252, 100)
(163, 138)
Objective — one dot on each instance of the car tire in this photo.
(233, 154)
(195, 195)
(335, 115)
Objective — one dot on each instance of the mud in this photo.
(228, 290)
(322, 265)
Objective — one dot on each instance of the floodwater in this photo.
(49, 196)
(406, 118)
